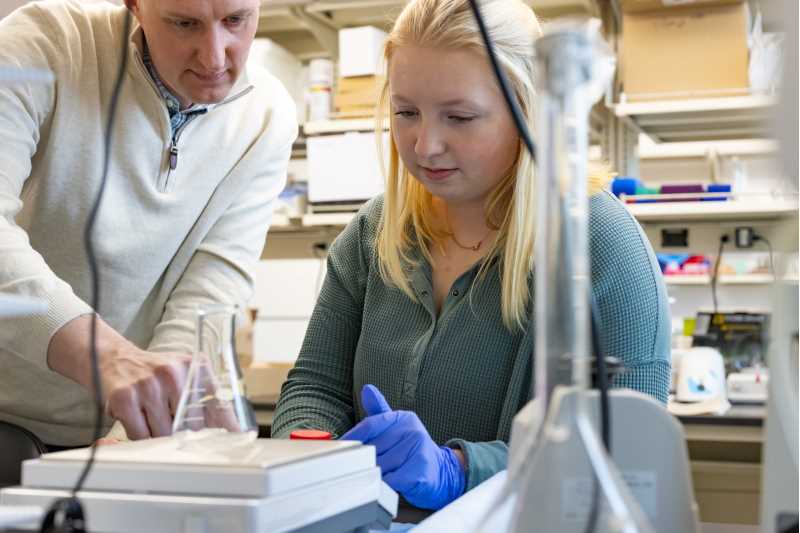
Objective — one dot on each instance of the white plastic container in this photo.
(319, 103)
(320, 72)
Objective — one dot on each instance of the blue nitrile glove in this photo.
(427, 475)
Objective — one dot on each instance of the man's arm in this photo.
(27, 42)
(140, 387)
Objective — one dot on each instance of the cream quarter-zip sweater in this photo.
(167, 239)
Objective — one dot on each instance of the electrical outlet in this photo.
(743, 237)
(675, 238)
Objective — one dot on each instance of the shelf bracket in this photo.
(621, 145)
(326, 34)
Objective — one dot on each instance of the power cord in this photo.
(757, 237)
(66, 514)
(605, 425)
(714, 276)
(522, 128)
(744, 237)
(320, 251)
(511, 102)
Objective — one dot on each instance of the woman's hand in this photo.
(427, 475)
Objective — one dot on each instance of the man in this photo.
(199, 153)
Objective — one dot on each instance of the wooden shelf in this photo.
(744, 279)
(346, 13)
(340, 126)
(287, 22)
(328, 219)
(282, 223)
(553, 8)
(702, 119)
(686, 150)
(759, 208)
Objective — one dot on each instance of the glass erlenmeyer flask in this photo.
(213, 397)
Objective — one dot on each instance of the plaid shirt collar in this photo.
(177, 116)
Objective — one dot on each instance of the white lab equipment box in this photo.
(344, 168)
(216, 482)
(361, 51)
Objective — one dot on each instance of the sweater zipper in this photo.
(173, 147)
(163, 186)
(173, 159)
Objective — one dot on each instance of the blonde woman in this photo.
(425, 312)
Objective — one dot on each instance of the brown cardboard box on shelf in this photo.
(357, 94)
(689, 52)
(636, 6)
(263, 381)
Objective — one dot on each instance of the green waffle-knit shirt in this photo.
(461, 370)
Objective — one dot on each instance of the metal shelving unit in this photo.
(282, 223)
(738, 210)
(340, 126)
(760, 208)
(703, 119)
(705, 149)
(344, 13)
(744, 279)
(307, 28)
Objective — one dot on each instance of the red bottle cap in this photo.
(310, 434)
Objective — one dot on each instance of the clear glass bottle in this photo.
(214, 396)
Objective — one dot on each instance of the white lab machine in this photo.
(213, 480)
(213, 474)
(748, 386)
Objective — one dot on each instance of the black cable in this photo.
(605, 425)
(519, 121)
(320, 250)
(722, 240)
(513, 106)
(66, 514)
(757, 237)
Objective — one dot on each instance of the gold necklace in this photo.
(473, 248)
(452, 235)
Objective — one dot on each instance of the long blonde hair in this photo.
(407, 219)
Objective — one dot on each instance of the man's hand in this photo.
(142, 389)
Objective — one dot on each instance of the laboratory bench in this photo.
(724, 454)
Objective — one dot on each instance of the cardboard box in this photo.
(263, 381)
(357, 95)
(361, 51)
(637, 6)
(685, 53)
(360, 91)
